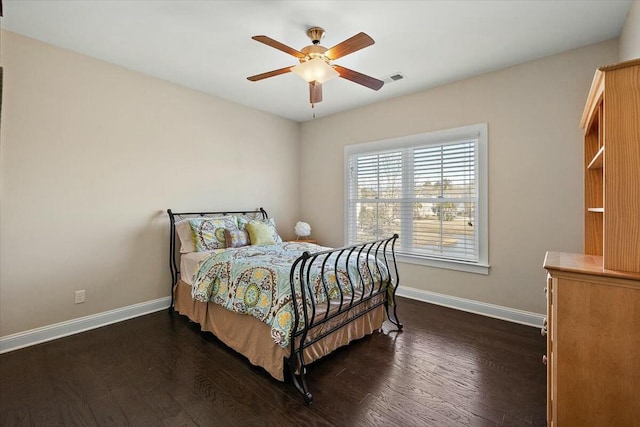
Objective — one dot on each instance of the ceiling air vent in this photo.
(393, 78)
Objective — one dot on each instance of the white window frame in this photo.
(479, 132)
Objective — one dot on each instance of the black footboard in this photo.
(346, 284)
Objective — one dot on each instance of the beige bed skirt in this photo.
(252, 338)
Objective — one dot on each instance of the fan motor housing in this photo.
(313, 51)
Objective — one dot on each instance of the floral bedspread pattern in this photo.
(254, 280)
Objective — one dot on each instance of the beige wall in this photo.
(535, 167)
(92, 154)
(630, 36)
(91, 157)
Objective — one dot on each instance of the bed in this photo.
(281, 304)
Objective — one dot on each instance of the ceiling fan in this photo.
(315, 62)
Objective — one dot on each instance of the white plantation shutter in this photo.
(445, 197)
(426, 188)
(377, 195)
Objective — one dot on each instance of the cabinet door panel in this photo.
(596, 353)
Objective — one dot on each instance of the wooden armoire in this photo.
(593, 299)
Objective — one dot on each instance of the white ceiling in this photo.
(207, 46)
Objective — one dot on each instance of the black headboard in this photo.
(179, 216)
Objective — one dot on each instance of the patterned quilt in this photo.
(255, 280)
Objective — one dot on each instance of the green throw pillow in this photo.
(260, 234)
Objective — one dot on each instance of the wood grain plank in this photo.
(446, 368)
(622, 171)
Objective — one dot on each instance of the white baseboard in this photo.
(471, 306)
(70, 327)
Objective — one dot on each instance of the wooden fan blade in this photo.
(276, 44)
(269, 74)
(315, 92)
(353, 44)
(356, 77)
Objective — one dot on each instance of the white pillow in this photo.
(187, 244)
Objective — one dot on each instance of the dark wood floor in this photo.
(446, 368)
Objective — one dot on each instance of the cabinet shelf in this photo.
(596, 162)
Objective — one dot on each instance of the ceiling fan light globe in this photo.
(315, 70)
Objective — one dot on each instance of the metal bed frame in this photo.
(349, 305)
(173, 255)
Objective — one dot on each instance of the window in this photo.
(431, 189)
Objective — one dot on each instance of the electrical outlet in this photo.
(80, 296)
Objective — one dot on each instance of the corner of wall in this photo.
(629, 41)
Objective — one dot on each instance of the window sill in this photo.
(468, 267)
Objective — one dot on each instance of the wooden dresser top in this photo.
(583, 264)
